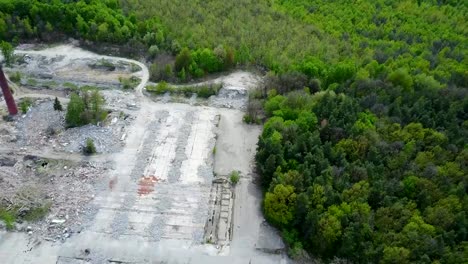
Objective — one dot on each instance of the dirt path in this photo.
(71, 53)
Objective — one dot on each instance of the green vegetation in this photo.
(204, 91)
(89, 148)
(328, 41)
(129, 83)
(8, 218)
(92, 20)
(25, 104)
(7, 52)
(15, 77)
(254, 113)
(37, 213)
(71, 86)
(57, 105)
(103, 64)
(32, 82)
(9, 215)
(234, 177)
(85, 108)
(365, 180)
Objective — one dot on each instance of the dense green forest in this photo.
(327, 40)
(45, 20)
(374, 168)
(364, 152)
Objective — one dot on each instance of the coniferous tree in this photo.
(57, 105)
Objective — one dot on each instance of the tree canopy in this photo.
(367, 186)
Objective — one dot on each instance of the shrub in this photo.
(103, 64)
(183, 60)
(249, 119)
(204, 91)
(57, 105)
(75, 109)
(234, 177)
(207, 91)
(129, 83)
(25, 104)
(296, 250)
(89, 148)
(85, 109)
(32, 82)
(8, 217)
(37, 213)
(71, 86)
(16, 77)
(7, 51)
(161, 88)
(153, 50)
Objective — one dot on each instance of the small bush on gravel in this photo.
(129, 83)
(8, 217)
(89, 148)
(15, 77)
(24, 105)
(37, 213)
(203, 91)
(57, 105)
(234, 177)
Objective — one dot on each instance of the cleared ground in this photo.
(165, 187)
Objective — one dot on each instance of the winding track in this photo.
(71, 52)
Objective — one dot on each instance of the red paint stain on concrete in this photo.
(146, 184)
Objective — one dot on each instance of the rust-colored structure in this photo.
(10, 101)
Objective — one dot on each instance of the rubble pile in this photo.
(64, 188)
(43, 127)
(106, 139)
(39, 124)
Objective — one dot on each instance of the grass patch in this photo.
(15, 77)
(37, 213)
(25, 104)
(31, 82)
(135, 68)
(203, 91)
(129, 83)
(103, 64)
(8, 217)
(50, 84)
(71, 86)
(249, 119)
(234, 177)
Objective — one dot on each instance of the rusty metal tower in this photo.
(10, 101)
